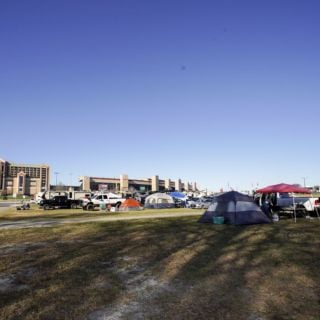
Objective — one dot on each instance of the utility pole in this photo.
(56, 173)
(304, 181)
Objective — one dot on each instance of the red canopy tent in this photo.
(283, 187)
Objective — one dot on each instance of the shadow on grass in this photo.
(249, 272)
(198, 272)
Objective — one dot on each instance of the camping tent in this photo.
(179, 198)
(159, 200)
(236, 208)
(283, 187)
(178, 195)
(130, 205)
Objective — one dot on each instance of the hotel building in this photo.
(23, 179)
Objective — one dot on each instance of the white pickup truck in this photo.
(106, 199)
(286, 201)
(308, 204)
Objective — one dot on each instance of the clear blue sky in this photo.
(218, 92)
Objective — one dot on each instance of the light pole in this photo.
(304, 181)
(70, 179)
(56, 173)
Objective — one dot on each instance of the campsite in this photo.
(158, 268)
(156, 160)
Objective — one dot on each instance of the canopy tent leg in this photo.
(294, 208)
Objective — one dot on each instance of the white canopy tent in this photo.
(159, 200)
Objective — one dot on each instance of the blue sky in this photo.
(218, 92)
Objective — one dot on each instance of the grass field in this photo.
(172, 268)
(36, 213)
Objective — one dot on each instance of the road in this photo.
(31, 223)
(6, 204)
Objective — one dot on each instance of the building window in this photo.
(20, 183)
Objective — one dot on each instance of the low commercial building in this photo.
(124, 184)
(23, 179)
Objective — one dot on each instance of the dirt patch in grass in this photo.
(161, 269)
(140, 287)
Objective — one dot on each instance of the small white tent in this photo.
(159, 200)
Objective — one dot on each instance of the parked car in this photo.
(203, 203)
(178, 203)
(191, 202)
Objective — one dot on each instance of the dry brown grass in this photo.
(162, 269)
(11, 214)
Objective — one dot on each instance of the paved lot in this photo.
(6, 204)
(31, 223)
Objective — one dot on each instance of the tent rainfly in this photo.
(130, 205)
(178, 195)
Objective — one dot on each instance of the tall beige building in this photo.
(23, 179)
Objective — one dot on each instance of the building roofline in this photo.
(148, 180)
(28, 165)
(103, 178)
